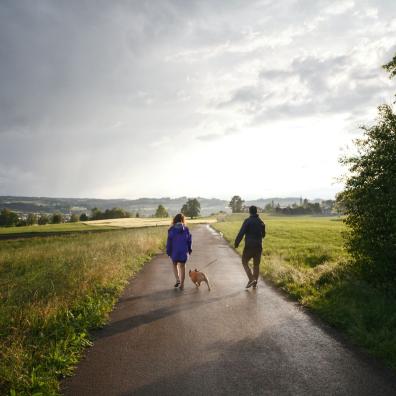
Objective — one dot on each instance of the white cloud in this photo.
(113, 99)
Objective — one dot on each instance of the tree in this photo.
(391, 67)
(236, 204)
(269, 208)
(369, 199)
(96, 214)
(84, 217)
(57, 218)
(21, 223)
(191, 208)
(31, 219)
(161, 212)
(43, 219)
(74, 218)
(8, 218)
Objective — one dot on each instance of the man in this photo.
(253, 228)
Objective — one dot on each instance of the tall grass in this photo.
(52, 291)
(305, 257)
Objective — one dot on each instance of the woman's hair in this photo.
(179, 218)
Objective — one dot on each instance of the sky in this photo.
(128, 99)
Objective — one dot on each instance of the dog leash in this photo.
(207, 265)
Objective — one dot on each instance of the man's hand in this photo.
(236, 245)
(189, 252)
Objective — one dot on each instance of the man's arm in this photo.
(263, 230)
(240, 235)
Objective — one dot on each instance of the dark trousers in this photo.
(255, 254)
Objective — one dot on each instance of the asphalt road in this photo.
(229, 341)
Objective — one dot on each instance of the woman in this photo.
(177, 246)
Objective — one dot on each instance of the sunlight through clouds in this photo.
(131, 99)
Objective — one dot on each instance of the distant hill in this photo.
(145, 206)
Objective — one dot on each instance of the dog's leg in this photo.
(207, 282)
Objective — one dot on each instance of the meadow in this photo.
(53, 290)
(133, 222)
(52, 228)
(95, 225)
(305, 257)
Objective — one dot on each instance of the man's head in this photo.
(253, 210)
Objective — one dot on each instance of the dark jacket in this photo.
(253, 228)
(179, 242)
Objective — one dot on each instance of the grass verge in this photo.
(305, 257)
(52, 292)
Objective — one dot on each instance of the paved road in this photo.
(228, 341)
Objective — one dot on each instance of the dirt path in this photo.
(228, 341)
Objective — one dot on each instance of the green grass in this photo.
(305, 257)
(53, 290)
(49, 228)
(96, 225)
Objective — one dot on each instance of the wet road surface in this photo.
(163, 341)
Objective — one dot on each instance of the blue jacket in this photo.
(179, 242)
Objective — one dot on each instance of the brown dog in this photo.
(197, 277)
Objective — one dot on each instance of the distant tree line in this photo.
(304, 207)
(114, 213)
(9, 218)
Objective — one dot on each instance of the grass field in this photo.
(52, 291)
(95, 225)
(133, 222)
(52, 228)
(305, 257)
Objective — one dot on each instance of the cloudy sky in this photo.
(213, 98)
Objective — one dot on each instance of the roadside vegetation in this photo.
(305, 256)
(53, 290)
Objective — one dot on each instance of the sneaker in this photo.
(250, 284)
(255, 285)
(177, 284)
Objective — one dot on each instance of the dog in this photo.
(197, 277)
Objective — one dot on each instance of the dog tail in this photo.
(206, 280)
